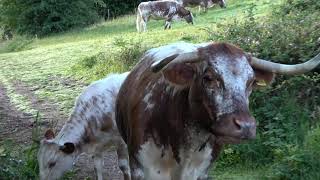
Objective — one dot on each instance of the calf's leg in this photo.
(123, 160)
(136, 170)
(167, 25)
(98, 165)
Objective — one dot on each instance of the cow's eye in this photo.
(211, 82)
(208, 78)
(51, 164)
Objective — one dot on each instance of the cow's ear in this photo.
(49, 134)
(263, 78)
(67, 148)
(179, 73)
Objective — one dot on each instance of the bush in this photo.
(117, 7)
(301, 162)
(122, 58)
(47, 16)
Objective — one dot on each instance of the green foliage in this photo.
(301, 162)
(123, 57)
(272, 38)
(116, 7)
(19, 162)
(47, 16)
(13, 166)
(17, 44)
(9, 11)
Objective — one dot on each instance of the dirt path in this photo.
(14, 125)
(17, 126)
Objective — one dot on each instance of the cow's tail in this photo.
(139, 19)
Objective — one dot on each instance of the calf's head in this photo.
(222, 3)
(54, 159)
(220, 78)
(185, 14)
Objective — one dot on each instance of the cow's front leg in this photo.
(167, 25)
(144, 23)
(98, 165)
(136, 170)
(123, 160)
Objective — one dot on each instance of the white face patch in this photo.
(235, 76)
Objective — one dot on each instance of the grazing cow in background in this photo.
(180, 96)
(166, 9)
(205, 4)
(90, 129)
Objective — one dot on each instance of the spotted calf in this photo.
(90, 129)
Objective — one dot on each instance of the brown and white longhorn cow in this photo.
(205, 4)
(166, 9)
(90, 129)
(181, 95)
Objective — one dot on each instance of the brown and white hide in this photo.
(168, 116)
(168, 10)
(91, 129)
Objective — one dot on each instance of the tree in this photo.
(44, 17)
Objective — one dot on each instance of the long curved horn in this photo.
(189, 57)
(285, 68)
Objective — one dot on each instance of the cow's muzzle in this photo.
(239, 126)
(247, 129)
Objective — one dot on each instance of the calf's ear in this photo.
(67, 148)
(263, 78)
(179, 73)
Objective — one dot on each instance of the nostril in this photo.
(237, 123)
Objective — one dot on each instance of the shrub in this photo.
(47, 16)
(117, 7)
(301, 162)
(124, 55)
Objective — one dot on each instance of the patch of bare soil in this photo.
(17, 126)
(14, 125)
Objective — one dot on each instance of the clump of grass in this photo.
(17, 44)
(122, 57)
(19, 162)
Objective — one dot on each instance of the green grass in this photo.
(239, 173)
(40, 63)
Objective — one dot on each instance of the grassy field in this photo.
(56, 68)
